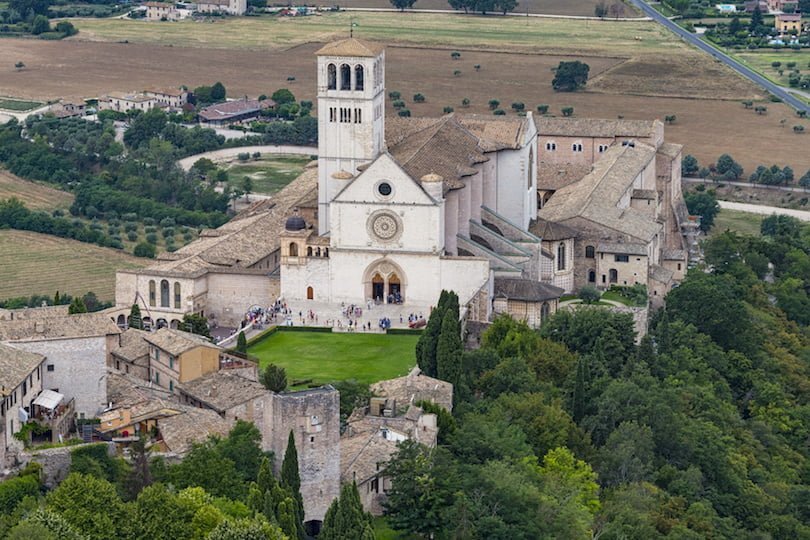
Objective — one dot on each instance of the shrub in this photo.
(798, 129)
(589, 294)
(542, 109)
(567, 111)
(394, 95)
(418, 98)
(168, 232)
(398, 104)
(14, 490)
(150, 230)
(130, 216)
(457, 72)
(132, 236)
(499, 112)
(455, 55)
(144, 249)
(465, 102)
(518, 106)
(477, 67)
(493, 104)
(243, 156)
(152, 238)
(167, 222)
(148, 221)
(129, 226)
(448, 109)
(404, 112)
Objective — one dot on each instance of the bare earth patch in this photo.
(34, 195)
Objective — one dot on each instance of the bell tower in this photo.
(351, 114)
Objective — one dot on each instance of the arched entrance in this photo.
(122, 321)
(385, 282)
(175, 324)
(310, 293)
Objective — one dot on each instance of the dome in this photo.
(431, 178)
(342, 175)
(295, 223)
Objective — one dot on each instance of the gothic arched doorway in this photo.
(385, 282)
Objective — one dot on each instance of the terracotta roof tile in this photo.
(15, 366)
(176, 342)
(351, 47)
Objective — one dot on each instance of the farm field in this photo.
(20, 105)
(739, 222)
(761, 61)
(29, 260)
(268, 174)
(33, 195)
(326, 357)
(527, 34)
(577, 8)
(796, 200)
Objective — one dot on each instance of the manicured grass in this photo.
(616, 297)
(33, 263)
(527, 34)
(740, 222)
(269, 174)
(33, 195)
(18, 104)
(329, 357)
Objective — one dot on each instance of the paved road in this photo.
(745, 185)
(516, 13)
(764, 210)
(740, 68)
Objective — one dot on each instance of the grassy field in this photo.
(269, 174)
(532, 34)
(33, 263)
(33, 195)
(328, 357)
(10, 104)
(740, 222)
(761, 61)
(581, 8)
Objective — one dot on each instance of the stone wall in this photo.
(55, 461)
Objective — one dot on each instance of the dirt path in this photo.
(764, 210)
(230, 153)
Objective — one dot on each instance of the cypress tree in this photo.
(287, 518)
(135, 320)
(241, 343)
(580, 390)
(346, 518)
(291, 480)
(77, 306)
(428, 341)
(448, 350)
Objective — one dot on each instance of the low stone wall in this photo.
(55, 461)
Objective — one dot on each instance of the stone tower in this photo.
(351, 114)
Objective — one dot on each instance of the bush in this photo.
(128, 227)
(394, 95)
(14, 490)
(418, 98)
(493, 104)
(518, 106)
(465, 102)
(148, 221)
(398, 104)
(150, 230)
(589, 294)
(542, 109)
(567, 111)
(144, 249)
(457, 72)
(499, 112)
(167, 222)
(404, 112)
(132, 236)
(168, 232)
(152, 238)
(447, 110)
(243, 156)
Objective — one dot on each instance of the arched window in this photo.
(309, 251)
(331, 76)
(544, 312)
(358, 77)
(591, 276)
(561, 256)
(176, 295)
(152, 293)
(293, 249)
(614, 275)
(310, 293)
(345, 77)
(164, 293)
(590, 252)
(530, 168)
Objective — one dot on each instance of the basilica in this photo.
(511, 212)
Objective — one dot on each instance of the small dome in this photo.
(295, 223)
(342, 175)
(431, 178)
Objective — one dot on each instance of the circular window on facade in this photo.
(384, 226)
(384, 189)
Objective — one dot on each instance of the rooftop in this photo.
(622, 248)
(222, 390)
(527, 290)
(69, 326)
(15, 366)
(351, 47)
(191, 426)
(362, 456)
(230, 109)
(176, 342)
(415, 387)
(132, 345)
(33, 313)
(550, 231)
(595, 127)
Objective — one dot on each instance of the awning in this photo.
(49, 399)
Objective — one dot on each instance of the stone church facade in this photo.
(397, 209)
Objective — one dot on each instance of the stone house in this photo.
(161, 11)
(77, 348)
(20, 383)
(788, 23)
(131, 353)
(127, 101)
(171, 98)
(530, 301)
(178, 357)
(230, 7)
(413, 388)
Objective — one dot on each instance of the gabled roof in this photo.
(222, 390)
(496, 132)
(622, 248)
(231, 109)
(176, 342)
(15, 366)
(527, 290)
(351, 47)
(133, 345)
(594, 127)
(414, 387)
(364, 455)
(80, 325)
(549, 231)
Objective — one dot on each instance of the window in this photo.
(551, 146)
(157, 377)
(679, 267)
(358, 116)
(171, 386)
(576, 147)
(622, 258)
(384, 189)
(49, 367)
(561, 256)
(590, 252)
(602, 148)
(293, 249)
(24, 388)
(530, 168)
(591, 276)
(152, 292)
(358, 77)
(614, 275)
(164, 293)
(171, 362)
(333, 114)
(309, 251)
(176, 295)
(331, 77)
(345, 77)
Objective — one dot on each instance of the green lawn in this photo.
(18, 104)
(740, 222)
(328, 357)
(269, 174)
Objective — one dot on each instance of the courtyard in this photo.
(313, 358)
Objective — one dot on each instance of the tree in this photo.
(346, 518)
(567, 111)
(428, 341)
(144, 249)
(493, 104)
(160, 514)
(90, 505)
(282, 96)
(77, 306)
(274, 378)
(627, 456)
(798, 129)
(40, 25)
(196, 324)
(804, 181)
(241, 343)
(570, 76)
(246, 529)
(247, 187)
(242, 446)
(726, 165)
(66, 28)
(449, 348)
(670, 118)
(756, 20)
(601, 9)
(506, 6)
(291, 479)
(135, 320)
(589, 294)
(218, 92)
(26, 7)
(140, 476)
(703, 204)
(542, 109)
(734, 26)
(402, 4)
(465, 102)
(455, 55)
(461, 4)
(689, 165)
